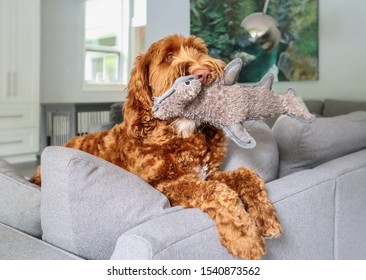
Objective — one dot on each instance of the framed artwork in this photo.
(295, 58)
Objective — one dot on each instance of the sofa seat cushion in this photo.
(87, 202)
(20, 201)
(263, 158)
(16, 245)
(306, 145)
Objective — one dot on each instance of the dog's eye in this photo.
(169, 57)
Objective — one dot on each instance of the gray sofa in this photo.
(90, 209)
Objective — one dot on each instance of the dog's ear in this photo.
(138, 86)
(137, 110)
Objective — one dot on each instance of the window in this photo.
(106, 44)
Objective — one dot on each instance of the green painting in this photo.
(294, 58)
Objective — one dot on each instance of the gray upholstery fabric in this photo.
(321, 211)
(87, 203)
(191, 234)
(16, 245)
(303, 145)
(263, 158)
(350, 212)
(305, 205)
(314, 106)
(337, 107)
(116, 114)
(19, 201)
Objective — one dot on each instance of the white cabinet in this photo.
(19, 79)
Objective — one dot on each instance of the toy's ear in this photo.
(232, 71)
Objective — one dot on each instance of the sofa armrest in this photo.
(305, 205)
(350, 221)
(179, 234)
(306, 208)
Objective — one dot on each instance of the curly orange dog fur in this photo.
(182, 158)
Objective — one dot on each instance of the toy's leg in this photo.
(239, 135)
(236, 229)
(251, 190)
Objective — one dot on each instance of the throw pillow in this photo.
(87, 202)
(263, 158)
(19, 201)
(305, 145)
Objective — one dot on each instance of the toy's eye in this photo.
(187, 83)
(169, 57)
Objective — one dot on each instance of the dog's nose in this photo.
(203, 75)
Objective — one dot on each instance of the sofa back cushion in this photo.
(305, 145)
(116, 113)
(20, 201)
(263, 158)
(314, 106)
(339, 107)
(87, 203)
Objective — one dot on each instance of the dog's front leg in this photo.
(251, 190)
(236, 229)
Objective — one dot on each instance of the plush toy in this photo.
(226, 104)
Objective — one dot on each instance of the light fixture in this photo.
(262, 28)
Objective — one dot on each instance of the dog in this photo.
(180, 157)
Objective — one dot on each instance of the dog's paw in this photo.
(272, 232)
(269, 225)
(248, 247)
(241, 237)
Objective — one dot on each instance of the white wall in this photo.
(62, 55)
(342, 45)
(166, 17)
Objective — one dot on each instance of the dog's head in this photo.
(155, 72)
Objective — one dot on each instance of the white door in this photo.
(19, 50)
(26, 50)
(5, 75)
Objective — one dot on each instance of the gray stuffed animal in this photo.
(226, 104)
